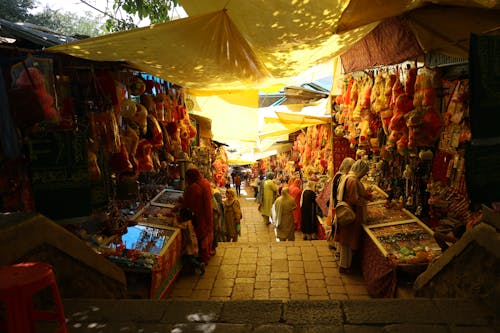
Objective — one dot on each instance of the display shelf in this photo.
(404, 242)
(149, 254)
(379, 213)
(167, 198)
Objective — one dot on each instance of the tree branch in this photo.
(104, 13)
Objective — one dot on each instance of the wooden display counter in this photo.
(150, 256)
(395, 241)
(150, 252)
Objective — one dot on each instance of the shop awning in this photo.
(229, 45)
(240, 44)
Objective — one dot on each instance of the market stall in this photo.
(100, 143)
(395, 241)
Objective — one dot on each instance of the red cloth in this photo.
(295, 192)
(324, 197)
(379, 272)
(198, 198)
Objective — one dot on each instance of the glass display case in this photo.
(404, 242)
(167, 198)
(380, 213)
(399, 235)
(150, 256)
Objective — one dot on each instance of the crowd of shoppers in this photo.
(290, 205)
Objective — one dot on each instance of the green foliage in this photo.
(156, 11)
(68, 24)
(16, 10)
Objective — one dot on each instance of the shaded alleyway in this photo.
(258, 267)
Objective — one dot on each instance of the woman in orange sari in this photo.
(295, 187)
(198, 198)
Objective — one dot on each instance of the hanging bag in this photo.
(344, 214)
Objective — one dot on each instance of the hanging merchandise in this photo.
(33, 95)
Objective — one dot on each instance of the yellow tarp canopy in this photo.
(240, 44)
(226, 47)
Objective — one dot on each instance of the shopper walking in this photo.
(232, 216)
(237, 184)
(352, 191)
(269, 191)
(309, 211)
(198, 198)
(218, 217)
(283, 216)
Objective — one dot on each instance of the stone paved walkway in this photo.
(258, 267)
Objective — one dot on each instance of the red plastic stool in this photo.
(18, 284)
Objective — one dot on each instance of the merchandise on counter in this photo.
(405, 242)
(378, 213)
(167, 198)
(155, 215)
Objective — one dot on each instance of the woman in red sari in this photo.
(198, 198)
(295, 187)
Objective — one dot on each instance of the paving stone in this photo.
(382, 311)
(210, 327)
(248, 260)
(112, 327)
(333, 281)
(320, 329)
(240, 280)
(279, 275)
(279, 283)
(363, 329)
(181, 292)
(279, 292)
(297, 277)
(201, 294)
(299, 296)
(356, 289)
(313, 267)
(262, 284)
(245, 274)
(228, 260)
(261, 294)
(254, 312)
(298, 287)
(247, 267)
(278, 328)
(473, 329)
(224, 283)
(338, 296)
(413, 328)
(230, 274)
(296, 270)
(314, 276)
(317, 292)
(262, 277)
(205, 284)
(191, 311)
(318, 297)
(316, 284)
(312, 312)
(221, 292)
(464, 312)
